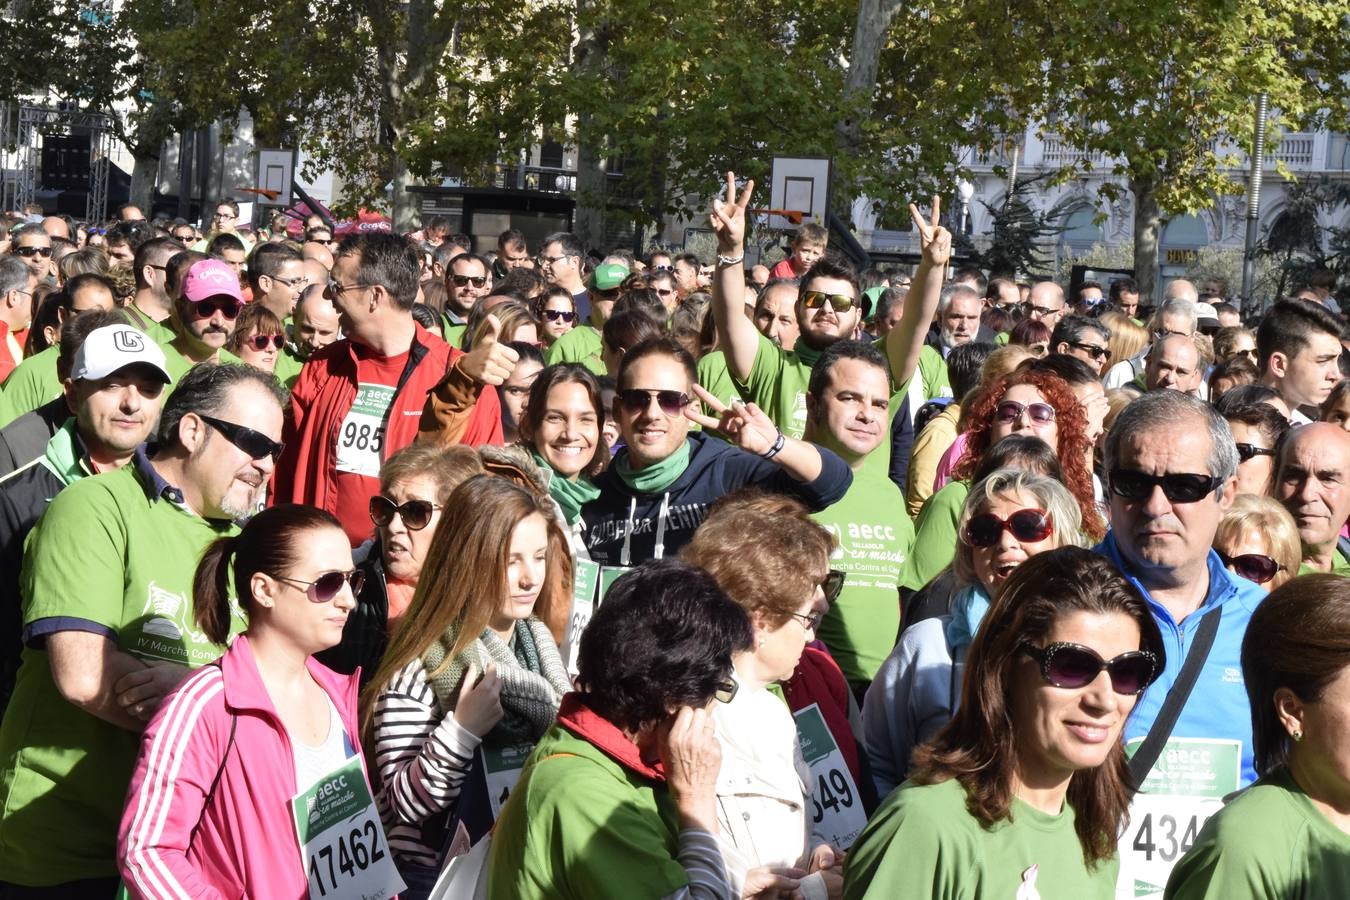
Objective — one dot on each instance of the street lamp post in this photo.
(1254, 197)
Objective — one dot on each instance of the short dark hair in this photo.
(823, 371)
(206, 388)
(663, 639)
(1070, 329)
(1261, 416)
(133, 233)
(888, 298)
(222, 242)
(1073, 370)
(177, 269)
(568, 242)
(965, 364)
(389, 260)
(1245, 394)
(1288, 326)
(160, 246)
(1020, 451)
(267, 259)
(82, 281)
(688, 259)
(470, 257)
(226, 201)
(972, 274)
(511, 237)
(827, 267)
(628, 328)
(662, 346)
(1122, 285)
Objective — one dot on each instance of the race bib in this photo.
(590, 583)
(342, 844)
(501, 769)
(1186, 786)
(837, 814)
(361, 437)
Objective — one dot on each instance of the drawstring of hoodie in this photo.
(625, 554)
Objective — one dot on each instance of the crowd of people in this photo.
(429, 566)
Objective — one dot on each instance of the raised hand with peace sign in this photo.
(746, 426)
(935, 242)
(728, 218)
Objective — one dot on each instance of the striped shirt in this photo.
(423, 756)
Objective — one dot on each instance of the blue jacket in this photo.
(1218, 706)
(656, 525)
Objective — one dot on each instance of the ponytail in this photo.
(211, 590)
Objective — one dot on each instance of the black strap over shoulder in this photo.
(1142, 761)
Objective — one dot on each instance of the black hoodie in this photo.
(657, 525)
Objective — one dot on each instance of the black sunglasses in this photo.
(1251, 451)
(254, 443)
(1066, 665)
(726, 690)
(1028, 525)
(1255, 567)
(1092, 350)
(838, 302)
(463, 280)
(416, 514)
(636, 400)
(44, 252)
(328, 585)
(228, 306)
(260, 341)
(560, 315)
(1178, 487)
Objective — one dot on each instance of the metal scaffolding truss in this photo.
(36, 122)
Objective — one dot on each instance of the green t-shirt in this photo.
(1339, 565)
(106, 557)
(580, 345)
(778, 382)
(288, 368)
(875, 538)
(32, 383)
(1269, 841)
(932, 369)
(178, 364)
(923, 843)
(578, 825)
(715, 378)
(935, 535)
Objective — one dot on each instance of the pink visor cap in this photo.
(211, 278)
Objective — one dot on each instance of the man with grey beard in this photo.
(108, 622)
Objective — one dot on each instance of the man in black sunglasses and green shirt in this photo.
(1171, 462)
(108, 621)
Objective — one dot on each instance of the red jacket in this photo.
(323, 395)
(242, 843)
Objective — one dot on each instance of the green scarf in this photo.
(570, 495)
(807, 355)
(656, 477)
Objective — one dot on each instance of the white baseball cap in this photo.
(114, 347)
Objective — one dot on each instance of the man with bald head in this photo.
(319, 253)
(1311, 483)
(57, 227)
(1046, 303)
(1173, 364)
(1181, 289)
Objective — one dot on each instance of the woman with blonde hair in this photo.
(471, 671)
(1257, 539)
(1127, 339)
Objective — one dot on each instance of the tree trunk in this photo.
(864, 59)
(143, 175)
(1147, 232)
(404, 203)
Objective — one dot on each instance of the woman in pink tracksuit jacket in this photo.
(209, 812)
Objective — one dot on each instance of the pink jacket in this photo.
(243, 844)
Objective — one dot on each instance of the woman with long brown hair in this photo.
(1023, 793)
(472, 673)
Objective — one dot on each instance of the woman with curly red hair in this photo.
(1025, 402)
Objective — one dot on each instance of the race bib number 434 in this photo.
(342, 843)
(1186, 786)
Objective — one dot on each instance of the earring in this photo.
(1297, 736)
